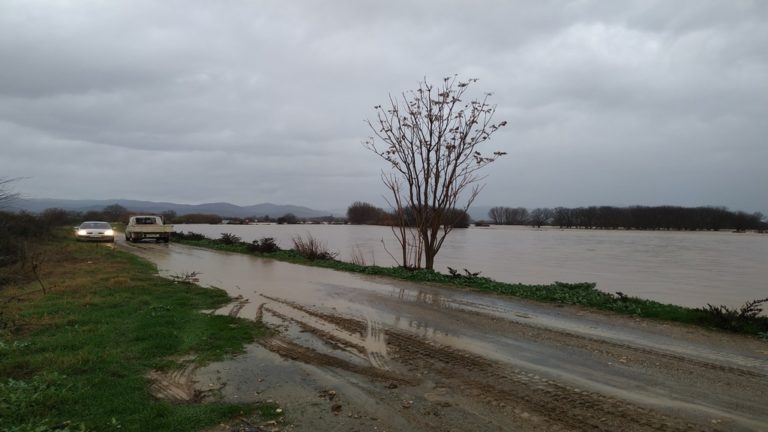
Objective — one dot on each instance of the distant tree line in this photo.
(635, 217)
(363, 213)
(118, 213)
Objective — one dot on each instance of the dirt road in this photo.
(360, 353)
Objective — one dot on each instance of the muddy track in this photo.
(498, 385)
(176, 385)
(509, 389)
(621, 351)
(293, 351)
(330, 339)
(237, 307)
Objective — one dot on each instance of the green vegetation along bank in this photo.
(79, 335)
(747, 319)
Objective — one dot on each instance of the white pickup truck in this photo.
(147, 227)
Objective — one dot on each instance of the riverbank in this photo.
(745, 320)
(78, 354)
(688, 269)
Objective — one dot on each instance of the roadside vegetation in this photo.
(80, 333)
(747, 319)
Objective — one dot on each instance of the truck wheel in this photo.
(127, 237)
(166, 239)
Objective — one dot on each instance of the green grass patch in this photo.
(77, 357)
(582, 294)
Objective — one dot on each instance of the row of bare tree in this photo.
(635, 217)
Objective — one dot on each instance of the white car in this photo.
(95, 230)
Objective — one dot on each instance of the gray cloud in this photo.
(626, 102)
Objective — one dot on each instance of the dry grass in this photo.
(312, 248)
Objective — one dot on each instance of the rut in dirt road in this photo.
(491, 386)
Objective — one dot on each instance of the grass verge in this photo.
(583, 294)
(76, 358)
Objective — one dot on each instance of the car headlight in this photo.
(109, 232)
(81, 232)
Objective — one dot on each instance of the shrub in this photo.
(745, 318)
(188, 236)
(229, 239)
(15, 231)
(263, 245)
(312, 249)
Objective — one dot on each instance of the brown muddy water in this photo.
(686, 268)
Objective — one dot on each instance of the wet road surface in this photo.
(355, 352)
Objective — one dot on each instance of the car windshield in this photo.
(95, 225)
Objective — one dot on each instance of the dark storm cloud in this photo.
(608, 102)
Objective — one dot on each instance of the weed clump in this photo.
(189, 235)
(313, 249)
(263, 245)
(229, 239)
(744, 319)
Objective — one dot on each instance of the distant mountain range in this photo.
(36, 205)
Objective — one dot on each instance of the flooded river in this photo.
(686, 268)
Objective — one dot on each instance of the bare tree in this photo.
(540, 216)
(497, 215)
(430, 137)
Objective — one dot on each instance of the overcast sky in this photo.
(608, 102)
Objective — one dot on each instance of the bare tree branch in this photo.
(430, 139)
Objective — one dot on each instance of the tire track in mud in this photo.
(500, 386)
(286, 348)
(176, 385)
(327, 337)
(622, 352)
(611, 348)
(237, 306)
(294, 351)
(376, 345)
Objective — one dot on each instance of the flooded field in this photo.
(686, 268)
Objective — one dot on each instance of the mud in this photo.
(399, 356)
(176, 385)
